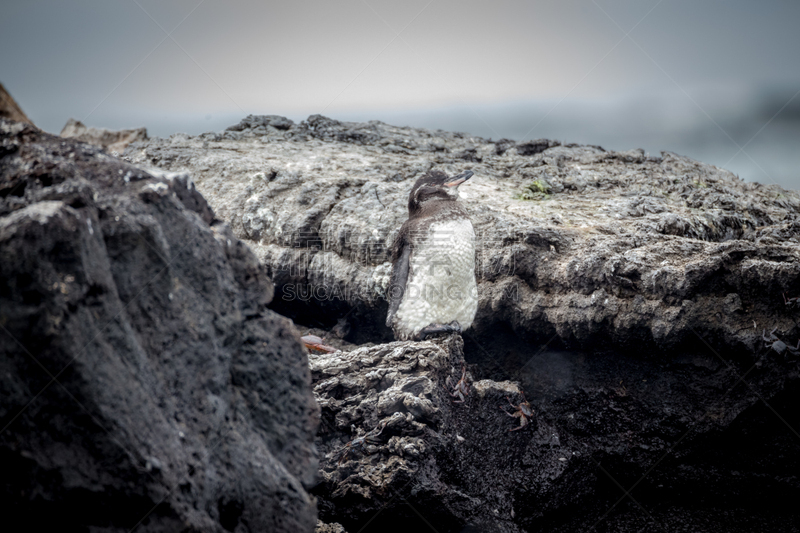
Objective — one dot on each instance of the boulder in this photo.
(143, 382)
(699, 446)
(574, 242)
(112, 141)
(9, 108)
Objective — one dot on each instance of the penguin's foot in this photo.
(432, 329)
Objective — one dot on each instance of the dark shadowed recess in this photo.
(367, 324)
(47, 504)
(739, 480)
(739, 477)
(417, 515)
(696, 447)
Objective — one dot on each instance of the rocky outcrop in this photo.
(9, 109)
(587, 245)
(111, 140)
(695, 445)
(144, 385)
(625, 295)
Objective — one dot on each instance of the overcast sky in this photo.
(192, 65)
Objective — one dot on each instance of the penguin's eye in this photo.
(428, 190)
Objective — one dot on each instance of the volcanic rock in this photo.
(9, 108)
(629, 297)
(329, 528)
(144, 385)
(587, 245)
(112, 141)
(697, 442)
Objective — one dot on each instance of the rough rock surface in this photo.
(112, 141)
(625, 294)
(574, 241)
(329, 528)
(700, 447)
(143, 382)
(9, 109)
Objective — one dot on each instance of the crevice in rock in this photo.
(230, 511)
(366, 324)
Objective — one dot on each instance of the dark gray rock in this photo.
(502, 145)
(114, 141)
(627, 298)
(536, 146)
(143, 382)
(695, 442)
(574, 241)
(253, 122)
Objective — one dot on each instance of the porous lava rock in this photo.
(588, 245)
(629, 297)
(620, 443)
(144, 384)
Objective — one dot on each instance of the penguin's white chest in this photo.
(441, 283)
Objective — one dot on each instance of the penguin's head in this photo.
(435, 186)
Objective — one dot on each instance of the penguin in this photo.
(432, 288)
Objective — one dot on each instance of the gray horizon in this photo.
(717, 81)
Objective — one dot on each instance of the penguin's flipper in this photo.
(397, 284)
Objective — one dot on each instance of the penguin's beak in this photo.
(455, 181)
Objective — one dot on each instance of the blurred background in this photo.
(717, 80)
